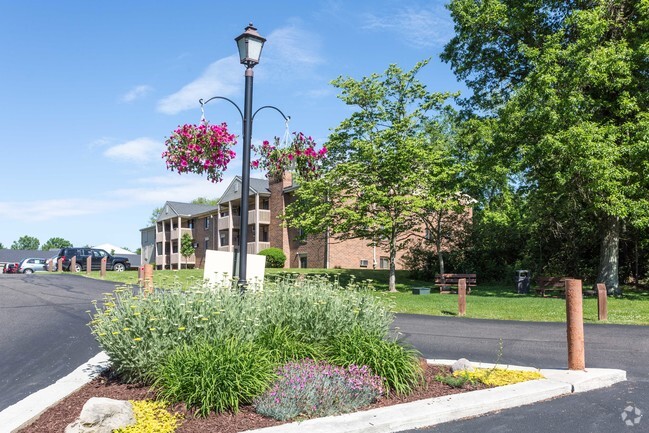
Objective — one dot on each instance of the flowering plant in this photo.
(200, 149)
(300, 156)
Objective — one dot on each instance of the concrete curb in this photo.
(425, 413)
(395, 418)
(22, 413)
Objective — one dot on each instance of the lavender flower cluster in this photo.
(312, 389)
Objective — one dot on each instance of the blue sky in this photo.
(89, 90)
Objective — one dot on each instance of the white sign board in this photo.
(219, 267)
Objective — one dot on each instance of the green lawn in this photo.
(487, 301)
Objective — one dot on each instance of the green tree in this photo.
(568, 83)
(153, 219)
(2, 247)
(187, 246)
(205, 201)
(26, 243)
(55, 243)
(374, 186)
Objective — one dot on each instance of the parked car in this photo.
(11, 268)
(31, 265)
(51, 260)
(113, 263)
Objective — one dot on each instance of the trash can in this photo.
(522, 281)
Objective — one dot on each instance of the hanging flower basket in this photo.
(299, 156)
(200, 149)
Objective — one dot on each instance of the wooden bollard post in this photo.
(575, 325)
(73, 264)
(50, 265)
(102, 271)
(88, 265)
(59, 265)
(461, 297)
(602, 302)
(148, 278)
(140, 276)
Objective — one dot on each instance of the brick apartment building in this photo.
(218, 227)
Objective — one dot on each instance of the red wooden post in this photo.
(602, 302)
(140, 276)
(575, 325)
(73, 264)
(102, 272)
(148, 278)
(88, 265)
(461, 296)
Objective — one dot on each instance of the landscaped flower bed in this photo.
(295, 350)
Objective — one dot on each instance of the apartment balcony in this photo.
(262, 214)
(253, 247)
(175, 259)
(177, 233)
(224, 222)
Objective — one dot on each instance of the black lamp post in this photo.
(250, 44)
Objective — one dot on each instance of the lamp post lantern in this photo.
(250, 44)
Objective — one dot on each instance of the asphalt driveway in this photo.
(43, 329)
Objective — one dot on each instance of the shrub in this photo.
(275, 258)
(397, 365)
(215, 376)
(314, 389)
(138, 331)
(151, 416)
(285, 345)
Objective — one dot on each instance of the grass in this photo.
(487, 301)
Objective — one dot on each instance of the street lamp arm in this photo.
(287, 118)
(230, 101)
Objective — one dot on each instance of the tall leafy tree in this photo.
(26, 243)
(375, 185)
(55, 243)
(569, 84)
(187, 246)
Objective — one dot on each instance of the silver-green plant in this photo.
(139, 330)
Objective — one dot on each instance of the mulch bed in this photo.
(55, 419)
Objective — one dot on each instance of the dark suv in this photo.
(118, 264)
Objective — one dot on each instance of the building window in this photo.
(303, 261)
(207, 244)
(384, 263)
(224, 240)
(190, 224)
(265, 204)
(264, 234)
(207, 223)
(363, 263)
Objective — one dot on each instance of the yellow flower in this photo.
(126, 329)
(115, 332)
(181, 328)
(137, 339)
(152, 329)
(115, 319)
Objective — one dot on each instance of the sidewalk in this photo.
(400, 417)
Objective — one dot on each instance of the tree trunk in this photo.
(438, 244)
(392, 281)
(609, 255)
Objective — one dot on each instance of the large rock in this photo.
(462, 364)
(102, 415)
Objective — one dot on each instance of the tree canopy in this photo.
(381, 163)
(26, 243)
(567, 84)
(56, 243)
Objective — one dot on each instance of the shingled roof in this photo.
(175, 208)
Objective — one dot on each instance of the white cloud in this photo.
(293, 46)
(222, 78)
(139, 150)
(136, 93)
(174, 187)
(421, 28)
(45, 210)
